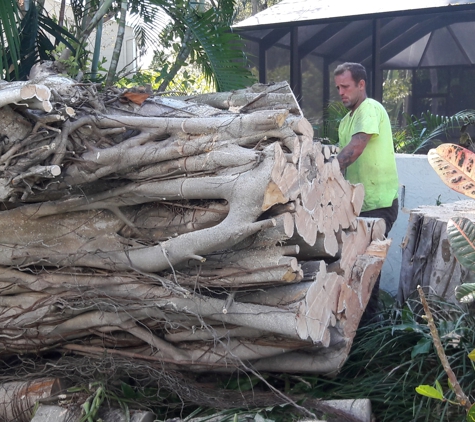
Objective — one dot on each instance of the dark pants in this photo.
(389, 215)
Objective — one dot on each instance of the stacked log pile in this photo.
(208, 232)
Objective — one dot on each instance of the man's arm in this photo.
(353, 150)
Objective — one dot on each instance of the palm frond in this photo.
(213, 47)
(39, 36)
(218, 51)
(148, 20)
(424, 132)
(10, 38)
(59, 34)
(26, 39)
(28, 36)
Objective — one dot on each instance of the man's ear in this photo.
(362, 84)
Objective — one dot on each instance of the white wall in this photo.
(109, 33)
(419, 185)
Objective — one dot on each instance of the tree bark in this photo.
(209, 238)
(427, 259)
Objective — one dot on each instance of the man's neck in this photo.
(353, 109)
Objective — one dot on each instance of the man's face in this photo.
(351, 93)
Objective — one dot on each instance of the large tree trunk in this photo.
(427, 259)
(209, 238)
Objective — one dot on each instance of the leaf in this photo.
(423, 346)
(127, 391)
(471, 414)
(461, 236)
(471, 355)
(136, 97)
(428, 391)
(10, 39)
(220, 54)
(465, 293)
(455, 166)
(439, 387)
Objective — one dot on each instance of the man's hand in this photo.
(353, 150)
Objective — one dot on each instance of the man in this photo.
(367, 150)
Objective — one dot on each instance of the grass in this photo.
(391, 357)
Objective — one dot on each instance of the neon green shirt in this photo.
(375, 168)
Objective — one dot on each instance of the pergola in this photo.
(381, 35)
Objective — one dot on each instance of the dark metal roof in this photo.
(404, 34)
(415, 33)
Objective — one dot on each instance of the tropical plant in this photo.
(422, 133)
(455, 166)
(28, 36)
(334, 113)
(461, 399)
(390, 357)
(397, 86)
(198, 34)
(201, 37)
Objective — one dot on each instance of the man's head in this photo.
(350, 81)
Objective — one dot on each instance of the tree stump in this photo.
(427, 259)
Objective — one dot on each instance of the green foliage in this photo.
(92, 404)
(335, 111)
(422, 132)
(70, 63)
(461, 236)
(217, 51)
(397, 86)
(183, 83)
(390, 358)
(211, 46)
(26, 39)
(10, 38)
(141, 78)
(471, 414)
(200, 38)
(431, 392)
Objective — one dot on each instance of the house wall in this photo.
(109, 32)
(419, 185)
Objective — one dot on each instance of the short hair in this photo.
(358, 72)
